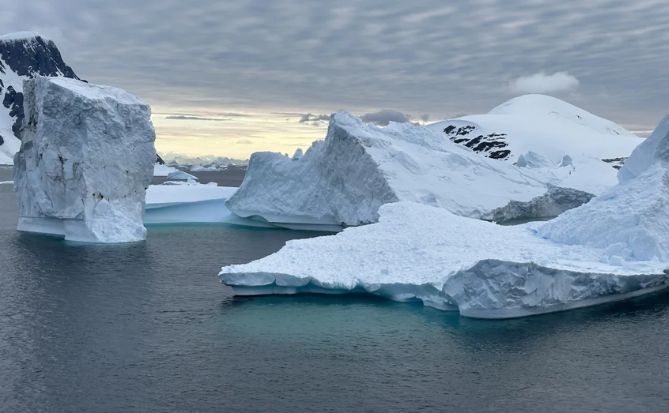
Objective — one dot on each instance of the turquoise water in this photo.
(147, 327)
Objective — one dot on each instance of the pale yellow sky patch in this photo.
(233, 134)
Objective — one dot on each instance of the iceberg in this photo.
(343, 180)
(429, 255)
(631, 220)
(85, 161)
(187, 202)
(612, 248)
(532, 157)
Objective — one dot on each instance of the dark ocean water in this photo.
(147, 327)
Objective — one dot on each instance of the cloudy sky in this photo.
(232, 77)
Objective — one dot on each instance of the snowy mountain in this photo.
(23, 56)
(540, 124)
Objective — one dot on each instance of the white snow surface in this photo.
(630, 220)
(548, 128)
(359, 167)
(652, 150)
(612, 248)
(418, 252)
(86, 158)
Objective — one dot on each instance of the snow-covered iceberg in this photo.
(612, 248)
(532, 157)
(421, 253)
(85, 161)
(343, 180)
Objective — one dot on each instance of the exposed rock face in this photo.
(85, 161)
(23, 56)
(28, 54)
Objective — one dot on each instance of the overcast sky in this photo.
(419, 57)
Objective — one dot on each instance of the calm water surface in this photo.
(148, 327)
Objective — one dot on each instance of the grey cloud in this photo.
(385, 116)
(313, 119)
(545, 83)
(355, 54)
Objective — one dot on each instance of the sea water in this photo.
(148, 327)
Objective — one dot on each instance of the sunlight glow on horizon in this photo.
(232, 134)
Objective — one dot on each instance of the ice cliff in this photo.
(85, 161)
(612, 248)
(23, 56)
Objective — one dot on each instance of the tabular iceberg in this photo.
(187, 202)
(613, 248)
(85, 161)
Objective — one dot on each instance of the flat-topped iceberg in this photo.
(421, 253)
(187, 202)
(613, 248)
(85, 161)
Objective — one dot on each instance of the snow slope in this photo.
(631, 220)
(344, 179)
(23, 56)
(612, 248)
(547, 129)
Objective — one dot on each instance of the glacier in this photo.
(554, 160)
(612, 248)
(86, 159)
